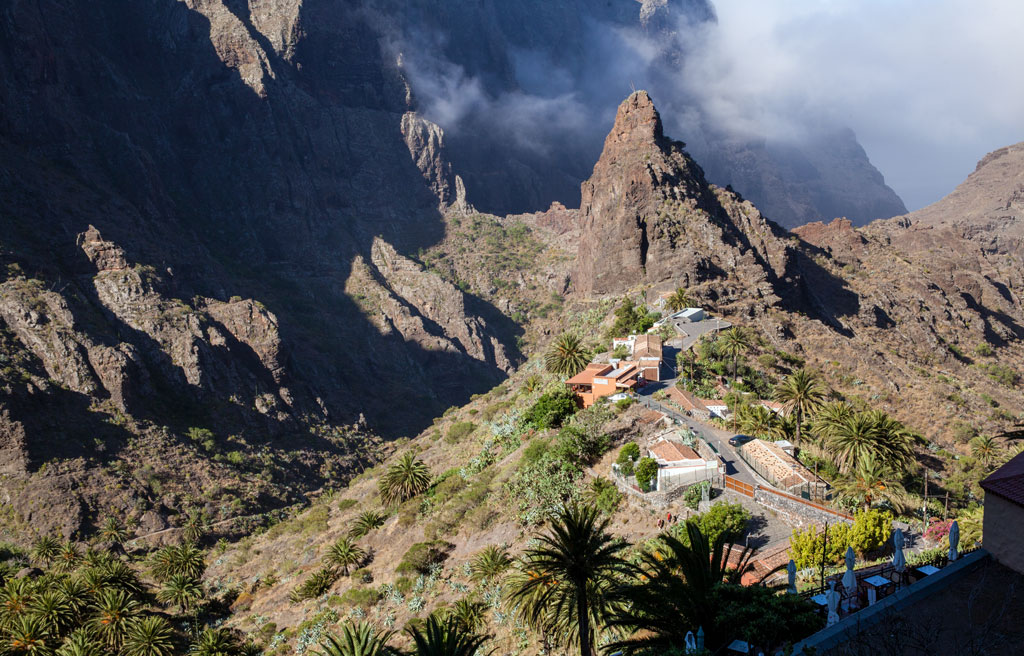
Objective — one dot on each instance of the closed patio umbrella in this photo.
(899, 560)
(832, 600)
(954, 541)
(791, 571)
(849, 578)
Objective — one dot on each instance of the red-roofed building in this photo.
(599, 380)
(689, 403)
(1004, 514)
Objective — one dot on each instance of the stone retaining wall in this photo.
(797, 512)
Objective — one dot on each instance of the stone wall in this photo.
(1003, 521)
(796, 511)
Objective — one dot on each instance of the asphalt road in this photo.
(716, 437)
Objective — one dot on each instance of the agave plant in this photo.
(148, 636)
(404, 480)
(360, 639)
(344, 553)
(367, 521)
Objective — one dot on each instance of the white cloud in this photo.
(929, 86)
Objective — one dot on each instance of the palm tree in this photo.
(15, 597)
(360, 639)
(181, 590)
(215, 642)
(119, 575)
(185, 559)
(802, 394)
(895, 442)
(679, 300)
(734, 343)
(28, 635)
(148, 636)
(76, 593)
(343, 553)
(468, 614)
(853, 440)
(566, 356)
(404, 480)
(81, 643)
(985, 450)
(54, 611)
(195, 526)
(444, 638)
(677, 591)
(113, 611)
(67, 557)
(756, 420)
(45, 549)
(567, 576)
(871, 481)
(367, 521)
(490, 562)
(829, 417)
(113, 531)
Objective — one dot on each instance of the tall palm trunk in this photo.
(584, 619)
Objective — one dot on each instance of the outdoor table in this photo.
(928, 570)
(820, 599)
(874, 584)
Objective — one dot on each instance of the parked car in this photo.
(739, 440)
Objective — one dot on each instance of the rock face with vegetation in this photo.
(649, 217)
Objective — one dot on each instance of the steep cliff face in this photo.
(539, 82)
(649, 217)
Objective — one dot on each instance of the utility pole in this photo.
(925, 511)
(824, 550)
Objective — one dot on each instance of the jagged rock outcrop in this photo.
(649, 217)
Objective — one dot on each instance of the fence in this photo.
(737, 485)
(666, 487)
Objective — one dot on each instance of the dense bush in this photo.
(631, 319)
(604, 495)
(628, 454)
(422, 555)
(646, 472)
(544, 485)
(869, 532)
(692, 496)
(552, 409)
(458, 431)
(580, 446)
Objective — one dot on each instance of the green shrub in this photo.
(984, 349)
(458, 431)
(552, 409)
(620, 352)
(729, 519)
(628, 454)
(345, 504)
(871, 528)
(422, 555)
(1003, 374)
(580, 445)
(362, 575)
(692, 496)
(646, 471)
(624, 404)
(604, 495)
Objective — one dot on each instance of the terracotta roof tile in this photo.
(673, 451)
